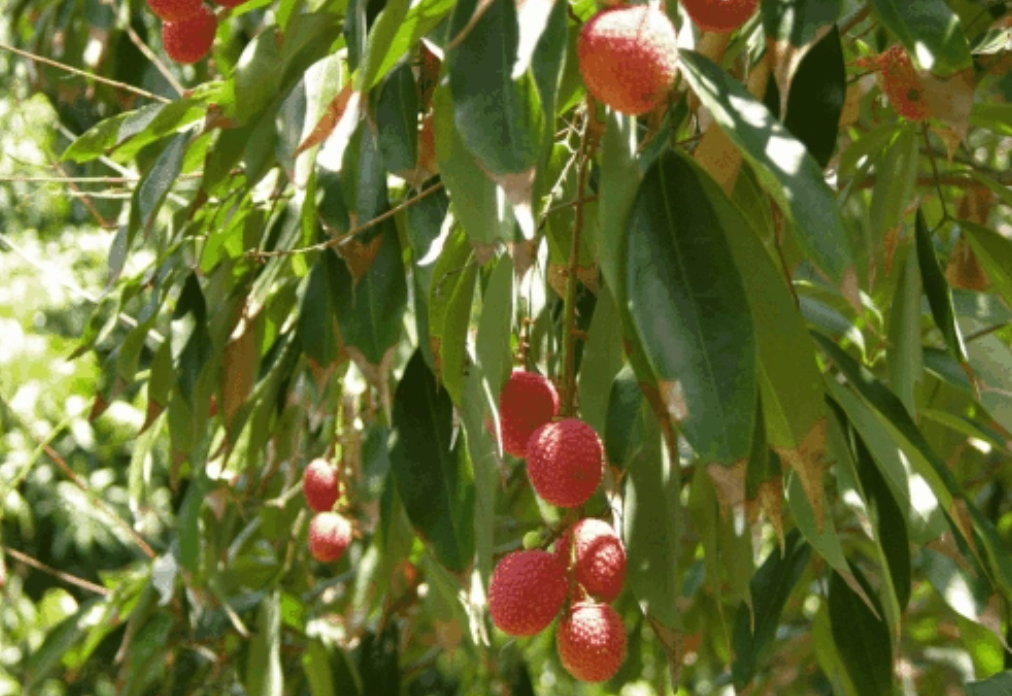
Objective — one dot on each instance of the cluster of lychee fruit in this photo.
(586, 570)
(629, 53)
(188, 27)
(329, 531)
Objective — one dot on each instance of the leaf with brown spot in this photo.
(360, 255)
(808, 460)
(729, 482)
(950, 99)
(240, 361)
(345, 104)
(964, 269)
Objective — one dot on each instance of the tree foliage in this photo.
(784, 306)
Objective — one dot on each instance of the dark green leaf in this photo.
(377, 662)
(929, 30)
(257, 75)
(998, 685)
(862, 639)
(783, 166)
(498, 118)
(690, 311)
(623, 431)
(815, 100)
(755, 628)
(937, 290)
(493, 341)
(904, 356)
(317, 317)
(155, 185)
(438, 492)
(397, 120)
(797, 21)
(395, 33)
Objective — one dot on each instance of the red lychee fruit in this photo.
(591, 641)
(565, 462)
(901, 84)
(719, 16)
(526, 592)
(597, 557)
(174, 10)
(329, 536)
(189, 40)
(527, 402)
(629, 57)
(320, 484)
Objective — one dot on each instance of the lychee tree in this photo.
(545, 347)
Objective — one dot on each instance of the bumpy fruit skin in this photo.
(189, 40)
(629, 57)
(329, 536)
(901, 84)
(565, 462)
(527, 402)
(719, 16)
(597, 557)
(174, 10)
(320, 485)
(526, 592)
(591, 641)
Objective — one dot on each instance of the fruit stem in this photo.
(569, 321)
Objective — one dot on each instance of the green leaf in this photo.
(493, 342)
(998, 685)
(929, 30)
(498, 118)
(394, 34)
(370, 310)
(937, 290)
(377, 661)
(601, 360)
(257, 75)
(817, 92)
(453, 349)
(58, 641)
(797, 21)
(862, 639)
(477, 402)
(155, 185)
(138, 128)
(904, 355)
(264, 676)
(771, 586)
(895, 176)
(789, 377)
(995, 254)
(623, 429)
(784, 168)
(438, 492)
(476, 200)
(329, 672)
(397, 120)
(450, 269)
(690, 312)
(651, 526)
(620, 180)
(317, 316)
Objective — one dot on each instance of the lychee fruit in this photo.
(189, 40)
(527, 402)
(565, 462)
(629, 57)
(597, 556)
(329, 536)
(591, 641)
(526, 592)
(320, 485)
(719, 16)
(901, 84)
(174, 10)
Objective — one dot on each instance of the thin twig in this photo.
(97, 78)
(59, 574)
(569, 321)
(68, 179)
(150, 55)
(854, 19)
(986, 332)
(76, 480)
(341, 239)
